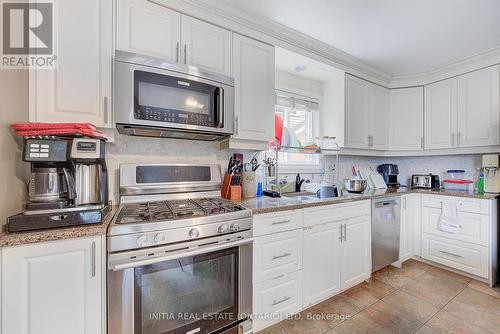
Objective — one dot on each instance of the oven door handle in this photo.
(121, 264)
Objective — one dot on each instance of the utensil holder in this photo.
(249, 185)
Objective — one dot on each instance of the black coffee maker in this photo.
(390, 174)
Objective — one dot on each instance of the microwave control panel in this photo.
(174, 116)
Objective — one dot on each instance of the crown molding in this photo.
(228, 16)
(473, 63)
(258, 27)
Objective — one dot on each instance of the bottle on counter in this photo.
(480, 183)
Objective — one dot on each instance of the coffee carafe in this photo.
(51, 183)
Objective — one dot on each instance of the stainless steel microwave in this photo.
(156, 98)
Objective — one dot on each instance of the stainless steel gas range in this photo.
(179, 256)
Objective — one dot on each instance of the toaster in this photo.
(425, 181)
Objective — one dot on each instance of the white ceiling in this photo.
(395, 36)
(288, 61)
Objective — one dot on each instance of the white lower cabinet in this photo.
(472, 247)
(321, 262)
(54, 287)
(409, 244)
(356, 263)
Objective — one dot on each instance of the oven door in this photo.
(175, 97)
(207, 292)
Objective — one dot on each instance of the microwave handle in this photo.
(220, 124)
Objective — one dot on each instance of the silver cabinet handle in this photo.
(404, 203)
(422, 142)
(177, 51)
(275, 257)
(459, 135)
(345, 232)
(185, 54)
(92, 259)
(105, 110)
(280, 222)
(451, 254)
(453, 139)
(236, 124)
(276, 302)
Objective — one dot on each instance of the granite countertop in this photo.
(268, 204)
(22, 238)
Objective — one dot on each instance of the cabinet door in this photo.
(206, 45)
(406, 119)
(321, 270)
(441, 114)
(478, 108)
(79, 88)
(378, 117)
(254, 89)
(356, 260)
(357, 104)
(146, 28)
(53, 287)
(405, 241)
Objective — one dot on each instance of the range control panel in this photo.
(45, 150)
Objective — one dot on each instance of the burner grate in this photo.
(174, 209)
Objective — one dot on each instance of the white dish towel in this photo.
(448, 221)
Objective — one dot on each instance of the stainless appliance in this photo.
(157, 98)
(355, 185)
(68, 185)
(386, 214)
(425, 181)
(179, 256)
(390, 174)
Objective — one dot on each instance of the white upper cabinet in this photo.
(79, 88)
(146, 28)
(151, 29)
(441, 114)
(357, 104)
(254, 73)
(366, 114)
(463, 111)
(205, 45)
(406, 119)
(378, 120)
(478, 108)
(54, 287)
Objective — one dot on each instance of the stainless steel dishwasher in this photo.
(386, 215)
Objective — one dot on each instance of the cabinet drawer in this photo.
(463, 256)
(336, 212)
(275, 299)
(470, 205)
(277, 254)
(473, 227)
(277, 222)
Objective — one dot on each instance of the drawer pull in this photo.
(280, 222)
(275, 257)
(276, 302)
(451, 254)
(278, 277)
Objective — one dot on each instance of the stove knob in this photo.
(194, 233)
(159, 237)
(234, 227)
(141, 240)
(223, 228)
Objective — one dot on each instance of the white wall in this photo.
(13, 108)
(297, 84)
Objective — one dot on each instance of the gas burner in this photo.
(174, 209)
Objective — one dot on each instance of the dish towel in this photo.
(448, 220)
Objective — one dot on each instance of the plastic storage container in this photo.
(455, 174)
(460, 185)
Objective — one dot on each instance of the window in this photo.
(299, 115)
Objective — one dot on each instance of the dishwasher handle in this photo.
(385, 204)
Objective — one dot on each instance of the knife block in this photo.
(229, 190)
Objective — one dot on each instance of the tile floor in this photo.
(418, 298)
